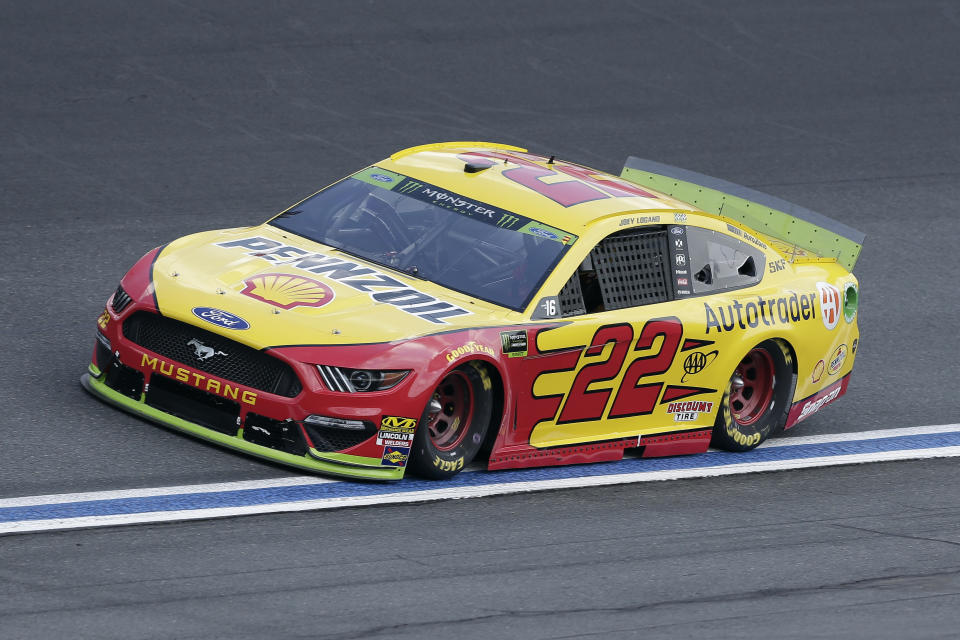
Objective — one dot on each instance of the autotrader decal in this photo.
(769, 311)
(378, 285)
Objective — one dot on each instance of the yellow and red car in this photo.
(470, 301)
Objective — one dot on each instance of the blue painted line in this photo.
(347, 489)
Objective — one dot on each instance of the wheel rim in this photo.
(751, 388)
(451, 409)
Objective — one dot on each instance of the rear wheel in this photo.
(454, 423)
(757, 398)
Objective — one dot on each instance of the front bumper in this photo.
(338, 464)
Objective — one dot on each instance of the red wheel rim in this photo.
(451, 409)
(751, 388)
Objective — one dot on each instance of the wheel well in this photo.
(793, 353)
(496, 415)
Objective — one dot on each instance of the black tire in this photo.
(454, 423)
(757, 398)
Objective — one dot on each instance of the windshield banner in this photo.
(439, 197)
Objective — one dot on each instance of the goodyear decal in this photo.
(378, 285)
(471, 347)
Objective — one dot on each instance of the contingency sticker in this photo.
(396, 432)
(514, 343)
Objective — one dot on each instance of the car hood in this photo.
(265, 287)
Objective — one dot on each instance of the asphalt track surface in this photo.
(124, 125)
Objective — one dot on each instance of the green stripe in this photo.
(370, 469)
(765, 219)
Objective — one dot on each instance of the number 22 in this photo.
(632, 398)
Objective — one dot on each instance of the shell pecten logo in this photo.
(287, 291)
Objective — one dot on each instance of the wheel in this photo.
(454, 423)
(757, 398)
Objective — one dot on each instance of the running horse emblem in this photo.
(203, 351)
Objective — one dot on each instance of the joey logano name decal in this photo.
(378, 285)
(785, 309)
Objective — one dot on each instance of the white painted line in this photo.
(57, 498)
(477, 491)
(857, 436)
(292, 481)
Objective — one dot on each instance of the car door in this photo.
(602, 374)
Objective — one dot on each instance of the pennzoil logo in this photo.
(104, 319)
(198, 380)
(287, 291)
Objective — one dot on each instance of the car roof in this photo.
(496, 173)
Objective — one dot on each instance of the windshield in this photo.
(433, 234)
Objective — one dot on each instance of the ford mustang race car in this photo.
(464, 302)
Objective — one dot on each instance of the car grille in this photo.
(282, 435)
(333, 439)
(121, 300)
(194, 405)
(233, 361)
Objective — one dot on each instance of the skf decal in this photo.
(198, 380)
(470, 347)
(514, 343)
(287, 291)
(104, 319)
(395, 456)
(837, 359)
(687, 411)
(380, 286)
(396, 432)
(830, 305)
(769, 311)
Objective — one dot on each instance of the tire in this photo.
(454, 423)
(757, 398)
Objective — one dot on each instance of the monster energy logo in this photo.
(409, 186)
(507, 221)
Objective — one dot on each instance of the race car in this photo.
(471, 302)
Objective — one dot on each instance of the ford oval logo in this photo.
(379, 177)
(220, 318)
(543, 233)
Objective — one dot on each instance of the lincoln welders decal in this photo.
(380, 286)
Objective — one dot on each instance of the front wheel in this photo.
(757, 398)
(454, 423)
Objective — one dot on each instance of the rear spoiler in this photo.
(766, 214)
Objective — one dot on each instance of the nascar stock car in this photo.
(473, 301)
